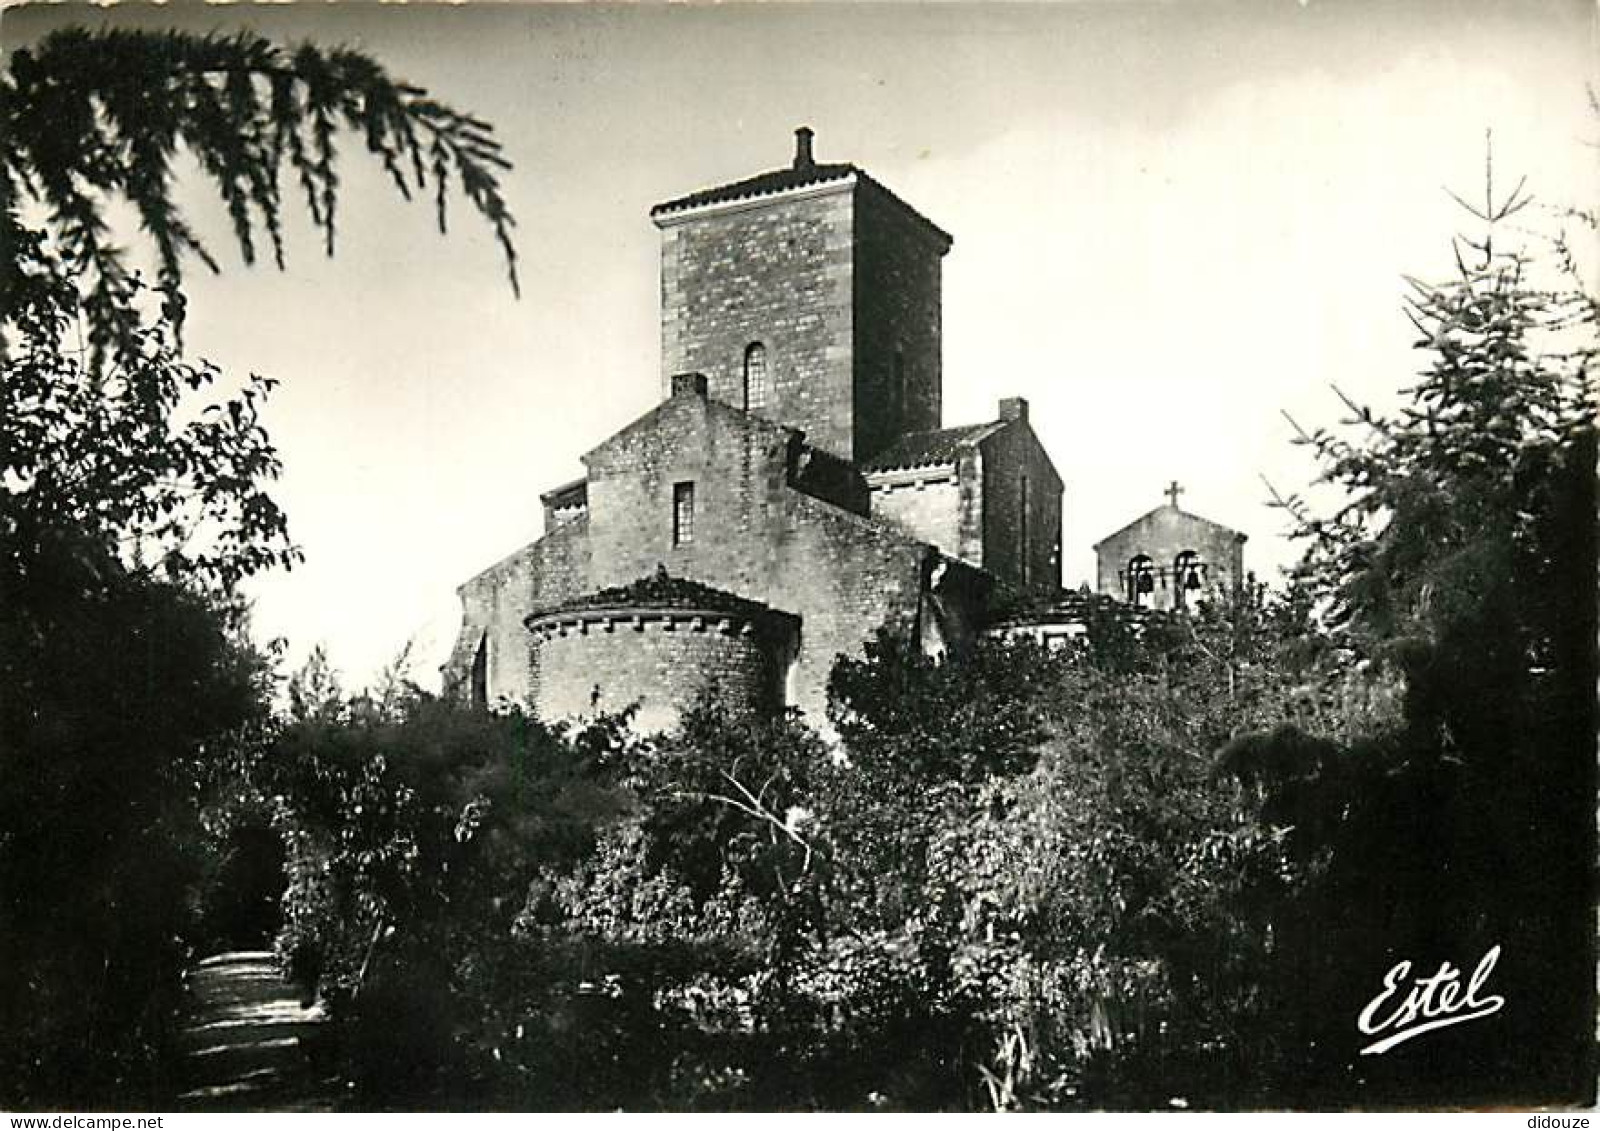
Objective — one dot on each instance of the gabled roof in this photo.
(1179, 512)
(931, 449)
(737, 417)
(763, 184)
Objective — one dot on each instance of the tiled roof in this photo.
(661, 591)
(802, 173)
(926, 449)
(763, 184)
(573, 494)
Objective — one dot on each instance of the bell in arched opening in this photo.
(1188, 574)
(1141, 579)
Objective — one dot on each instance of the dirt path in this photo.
(243, 1040)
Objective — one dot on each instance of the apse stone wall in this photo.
(661, 661)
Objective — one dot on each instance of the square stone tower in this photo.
(808, 296)
(793, 492)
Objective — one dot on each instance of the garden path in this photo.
(248, 1041)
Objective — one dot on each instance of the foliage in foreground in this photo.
(118, 688)
(1463, 562)
(1162, 868)
(1029, 912)
(126, 514)
(130, 508)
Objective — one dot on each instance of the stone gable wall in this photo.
(778, 273)
(932, 504)
(1163, 534)
(1009, 455)
(897, 309)
(755, 536)
(738, 469)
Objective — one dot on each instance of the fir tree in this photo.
(1442, 496)
(1462, 563)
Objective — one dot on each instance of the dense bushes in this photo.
(1163, 868)
(414, 829)
(1462, 562)
(1017, 881)
(129, 510)
(122, 678)
(116, 688)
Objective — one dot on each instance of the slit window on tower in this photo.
(1022, 524)
(755, 376)
(897, 391)
(479, 688)
(682, 513)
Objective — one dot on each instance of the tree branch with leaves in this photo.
(91, 117)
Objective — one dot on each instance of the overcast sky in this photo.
(1172, 222)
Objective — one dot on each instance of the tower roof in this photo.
(762, 184)
(803, 172)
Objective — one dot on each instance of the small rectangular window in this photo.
(682, 513)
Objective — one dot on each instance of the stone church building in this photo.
(793, 491)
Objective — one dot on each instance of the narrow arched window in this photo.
(1140, 580)
(682, 514)
(755, 376)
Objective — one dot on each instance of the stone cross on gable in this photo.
(1172, 492)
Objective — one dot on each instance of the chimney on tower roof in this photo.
(802, 148)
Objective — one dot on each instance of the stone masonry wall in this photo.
(495, 603)
(897, 311)
(662, 664)
(777, 272)
(754, 535)
(846, 577)
(1010, 455)
(928, 504)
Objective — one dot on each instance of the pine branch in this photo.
(86, 117)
